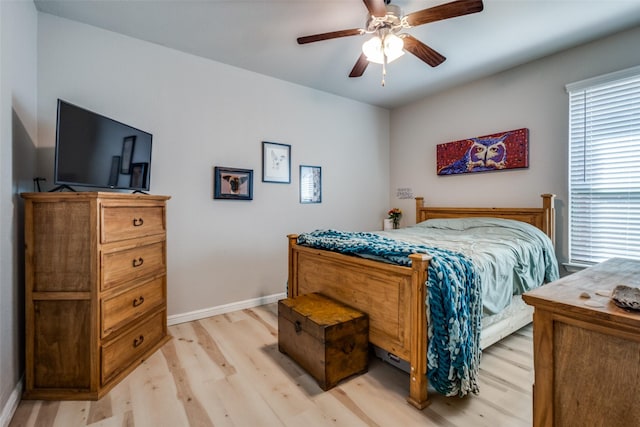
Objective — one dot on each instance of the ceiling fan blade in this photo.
(376, 7)
(330, 35)
(422, 51)
(361, 65)
(444, 11)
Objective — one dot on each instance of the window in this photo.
(604, 167)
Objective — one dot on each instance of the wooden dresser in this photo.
(95, 290)
(586, 351)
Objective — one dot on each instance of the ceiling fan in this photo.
(385, 21)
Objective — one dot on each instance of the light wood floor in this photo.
(226, 371)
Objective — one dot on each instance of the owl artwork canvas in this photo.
(504, 150)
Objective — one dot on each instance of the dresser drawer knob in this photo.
(138, 301)
(137, 222)
(138, 341)
(138, 262)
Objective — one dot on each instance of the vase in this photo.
(387, 224)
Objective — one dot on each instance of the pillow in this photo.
(462, 224)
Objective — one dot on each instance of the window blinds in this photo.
(604, 168)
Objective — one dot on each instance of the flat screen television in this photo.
(95, 151)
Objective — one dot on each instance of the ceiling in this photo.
(260, 36)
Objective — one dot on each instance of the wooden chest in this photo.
(328, 339)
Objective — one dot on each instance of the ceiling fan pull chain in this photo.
(384, 60)
(384, 69)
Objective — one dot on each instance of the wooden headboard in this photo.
(544, 218)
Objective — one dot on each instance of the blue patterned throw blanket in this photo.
(454, 306)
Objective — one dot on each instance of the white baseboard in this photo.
(221, 309)
(12, 404)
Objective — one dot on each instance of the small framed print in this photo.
(276, 162)
(232, 184)
(139, 175)
(310, 184)
(115, 171)
(127, 154)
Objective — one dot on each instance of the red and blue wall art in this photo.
(498, 151)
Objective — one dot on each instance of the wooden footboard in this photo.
(393, 296)
(383, 291)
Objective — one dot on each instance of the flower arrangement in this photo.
(394, 215)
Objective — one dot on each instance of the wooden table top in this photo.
(564, 295)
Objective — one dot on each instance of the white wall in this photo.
(529, 96)
(18, 133)
(204, 114)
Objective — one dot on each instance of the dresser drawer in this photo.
(124, 223)
(121, 309)
(120, 353)
(122, 266)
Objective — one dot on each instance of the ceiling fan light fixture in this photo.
(390, 46)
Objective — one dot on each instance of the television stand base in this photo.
(61, 188)
(139, 192)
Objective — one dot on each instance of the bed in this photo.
(394, 296)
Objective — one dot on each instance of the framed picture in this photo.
(495, 152)
(139, 175)
(115, 171)
(127, 153)
(310, 184)
(276, 162)
(234, 184)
